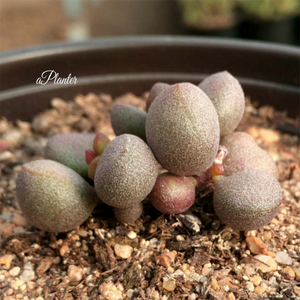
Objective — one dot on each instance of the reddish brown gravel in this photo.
(190, 256)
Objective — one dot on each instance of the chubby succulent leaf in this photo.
(228, 97)
(69, 150)
(157, 88)
(126, 172)
(53, 197)
(173, 194)
(100, 142)
(89, 156)
(247, 200)
(126, 118)
(244, 154)
(93, 166)
(182, 129)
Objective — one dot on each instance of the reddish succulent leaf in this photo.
(100, 143)
(89, 156)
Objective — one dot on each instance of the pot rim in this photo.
(141, 41)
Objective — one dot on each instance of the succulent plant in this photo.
(270, 9)
(126, 172)
(126, 118)
(182, 129)
(247, 200)
(209, 14)
(172, 194)
(228, 97)
(244, 154)
(69, 150)
(129, 214)
(155, 91)
(53, 197)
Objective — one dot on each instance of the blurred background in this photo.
(33, 22)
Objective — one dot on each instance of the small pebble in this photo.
(6, 260)
(214, 284)
(256, 245)
(297, 272)
(256, 280)
(283, 258)
(169, 285)
(259, 290)
(39, 290)
(226, 288)
(15, 284)
(64, 249)
(245, 277)
(15, 271)
(180, 238)
(153, 242)
(109, 291)
(206, 269)
(267, 235)
(231, 296)
(296, 290)
(129, 293)
(131, 234)
(269, 264)
(87, 270)
(192, 297)
(31, 285)
(83, 233)
(56, 260)
(289, 272)
(225, 283)
(250, 233)
(27, 275)
(250, 286)
(123, 251)
(74, 273)
(166, 259)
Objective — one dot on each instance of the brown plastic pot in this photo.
(269, 73)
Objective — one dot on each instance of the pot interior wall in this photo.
(269, 74)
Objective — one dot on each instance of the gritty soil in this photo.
(189, 256)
